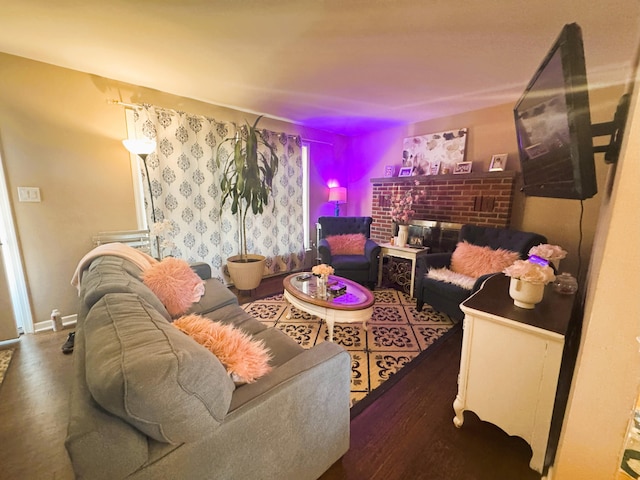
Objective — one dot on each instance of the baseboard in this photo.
(68, 321)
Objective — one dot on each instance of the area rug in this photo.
(396, 334)
(5, 360)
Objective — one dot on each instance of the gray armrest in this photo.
(202, 269)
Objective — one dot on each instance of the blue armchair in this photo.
(359, 268)
(445, 297)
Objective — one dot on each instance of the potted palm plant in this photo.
(247, 179)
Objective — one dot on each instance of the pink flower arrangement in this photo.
(530, 272)
(402, 207)
(322, 270)
(552, 253)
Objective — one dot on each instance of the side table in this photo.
(409, 253)
(511, 368)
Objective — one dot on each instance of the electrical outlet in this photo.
(28, 194)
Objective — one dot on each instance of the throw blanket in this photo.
(137, 257)
(446, 275)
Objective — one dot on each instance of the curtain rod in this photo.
(133, 105)
(118, 102)
(310, 140)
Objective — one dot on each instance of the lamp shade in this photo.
(139, 146)
(338, 194)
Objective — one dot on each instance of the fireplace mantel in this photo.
(446, 177)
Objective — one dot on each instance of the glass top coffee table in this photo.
(354, 305)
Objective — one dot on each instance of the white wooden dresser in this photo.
(511, 364)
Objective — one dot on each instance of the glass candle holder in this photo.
(565, 284)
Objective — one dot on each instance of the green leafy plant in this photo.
(247, 175)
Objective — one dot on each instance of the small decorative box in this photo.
(337, 289)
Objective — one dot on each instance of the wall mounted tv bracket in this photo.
(614, 128)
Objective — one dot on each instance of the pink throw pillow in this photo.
(475, 261)
(245, 359)
(175, 283)
(348, 244)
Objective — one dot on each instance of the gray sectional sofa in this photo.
(148, 402)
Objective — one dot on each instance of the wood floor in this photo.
(406, 434)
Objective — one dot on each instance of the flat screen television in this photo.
(553, 124)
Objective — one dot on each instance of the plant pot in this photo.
(403, 235)
(246, 272)
(525, 294)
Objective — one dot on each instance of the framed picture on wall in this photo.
(405, 172)
(389, 170)
(498, 162)
(462, 167)
(442, 148)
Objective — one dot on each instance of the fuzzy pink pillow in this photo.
(475, 261)
(175, 283)
(348, 244)
(245, 359)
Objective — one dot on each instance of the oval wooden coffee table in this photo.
(356, 305)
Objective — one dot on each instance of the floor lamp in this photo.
(142, 147)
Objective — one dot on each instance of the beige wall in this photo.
(491, 131)
(59, 133)
(606, 380)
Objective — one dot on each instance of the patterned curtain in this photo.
(185, 184)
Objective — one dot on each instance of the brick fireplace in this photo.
(483, 198)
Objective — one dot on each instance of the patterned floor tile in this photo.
(391, 337)
(385, 313)
(351, 336)
(305, 334)
(395, 335)
(427, 315)
(386, 296)
(265, 311)
(356, 397)
(359, 371)
(427, 334)
(382, 365)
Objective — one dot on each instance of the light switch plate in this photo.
(28, 194)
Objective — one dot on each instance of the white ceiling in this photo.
(346, 66)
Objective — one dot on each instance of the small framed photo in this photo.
(389, 170)
(434, 167)
(462, 167)
(405, 172)
(498, 162)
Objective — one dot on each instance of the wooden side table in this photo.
(511, 363)
(388, 250)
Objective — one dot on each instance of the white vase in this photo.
(525, 294)
(403, 235)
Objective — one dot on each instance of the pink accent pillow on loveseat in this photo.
(245, 359)
(348, 244)
(175, 283)
(475, 261)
